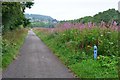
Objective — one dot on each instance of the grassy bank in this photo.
(11, 43)
(75, 48)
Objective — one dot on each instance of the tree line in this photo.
(107, 17)
(13, 15)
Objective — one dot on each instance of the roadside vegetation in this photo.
(73, 44)
(13, 30)
(75, 49)
(11, 43)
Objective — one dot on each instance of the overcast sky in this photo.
(71, 9)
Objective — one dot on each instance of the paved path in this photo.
(36, 61)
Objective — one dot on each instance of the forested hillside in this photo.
(40, 20)
(36, 17)
(107, 16)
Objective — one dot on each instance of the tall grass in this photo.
(74, 46)
(11, 43)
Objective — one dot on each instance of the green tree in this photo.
(106, 16)
(13, 14)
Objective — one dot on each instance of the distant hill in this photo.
(40, 18)
(107, 16)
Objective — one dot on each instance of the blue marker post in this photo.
(95, 52)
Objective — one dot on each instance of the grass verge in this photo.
(75, 49)
(11, 43)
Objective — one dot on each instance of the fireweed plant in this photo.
(73, 44)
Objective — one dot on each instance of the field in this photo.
(73, 44)
(41, 24)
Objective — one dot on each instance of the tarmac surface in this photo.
(35, 60)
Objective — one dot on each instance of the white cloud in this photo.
(71, 9)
